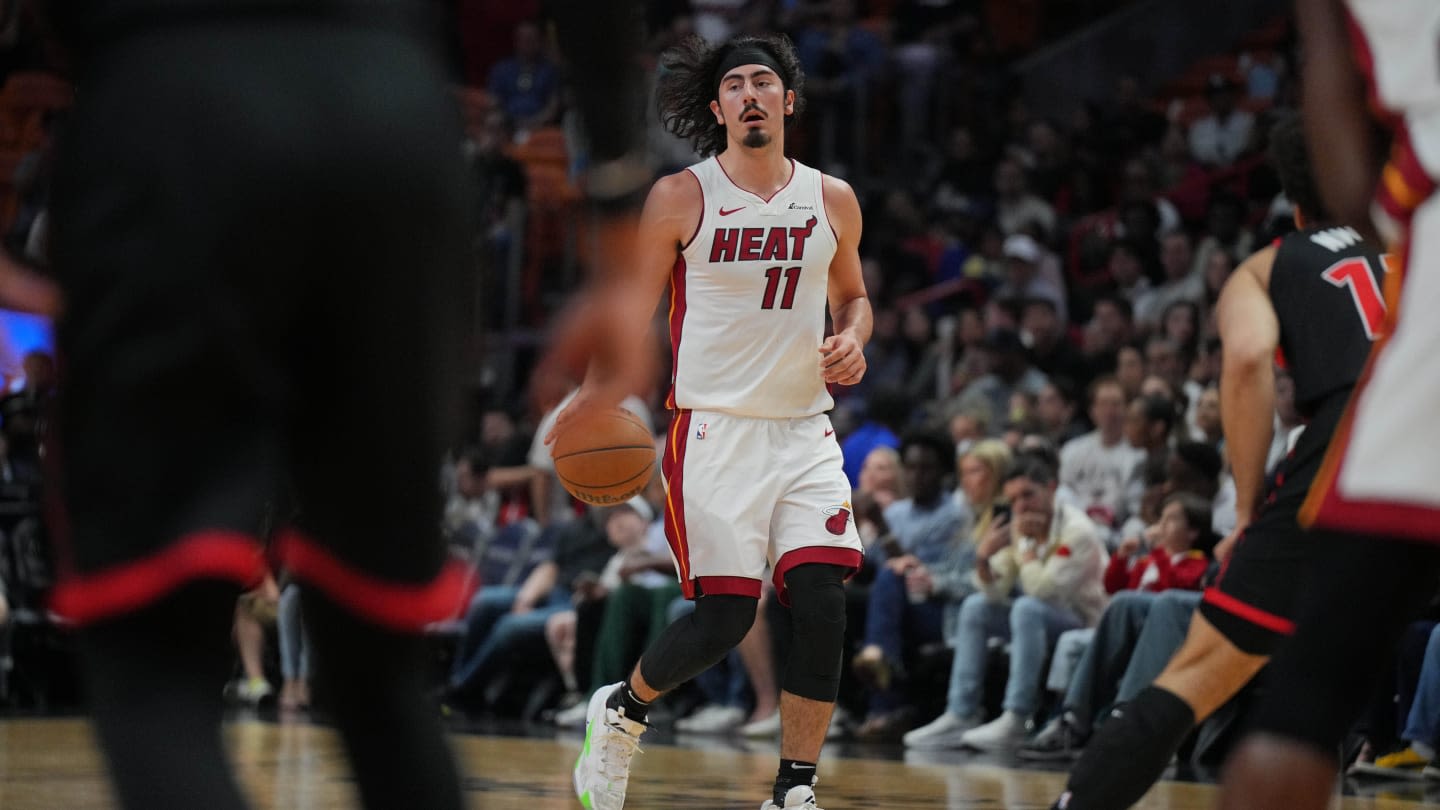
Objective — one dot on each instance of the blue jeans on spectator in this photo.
(1098, 674)
(1423, 723)
(1164, 633)
(294, 647)
(1030, 626)
(490, 628)
(898, 626)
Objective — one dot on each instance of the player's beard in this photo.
(755, 138)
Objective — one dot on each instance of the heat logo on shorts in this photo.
(839, 518)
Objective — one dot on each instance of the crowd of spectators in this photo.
(1036, 450)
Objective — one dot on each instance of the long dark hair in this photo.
(686, 87)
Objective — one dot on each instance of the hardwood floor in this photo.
(52, 763)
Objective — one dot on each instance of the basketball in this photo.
(604, 458)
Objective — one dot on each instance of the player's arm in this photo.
(1249, 335)
(619, 311)
(843, 353)
(1338, 125)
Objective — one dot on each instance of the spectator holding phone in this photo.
(1039, 574)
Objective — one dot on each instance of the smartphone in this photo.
(1000, 511)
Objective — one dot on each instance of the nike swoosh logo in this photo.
(803, 767)
(830, 432)
(725, 213)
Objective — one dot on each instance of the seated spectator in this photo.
(294, 651)
(471, 511)
(1130, 370)
(1175, 560)
(881, 478)
(1010, 371)
(1421, 731)
(1127, 269)
(969, 425)
(500, 616)
(1223, 135)
(1172, 552)
(632, 592)
(1051, 556)
(1024, 279)
(255, 612)
(1288, 422)
(1111, 327)
(1099, 465)
(1225, 229)
(1178, 283)
(1015, 206)
(1044, 334)
(926, 530)
(527, 85)
(1207, 418)
(886, 412)
(1055, 414)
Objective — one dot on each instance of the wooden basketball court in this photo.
(52, 763)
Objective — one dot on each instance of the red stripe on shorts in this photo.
(206, 555)
(398, 606)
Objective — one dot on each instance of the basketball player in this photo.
(259, 226)
(753, 246)
(1381, 477)
(1303, 295)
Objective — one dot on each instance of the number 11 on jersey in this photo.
(772, 286)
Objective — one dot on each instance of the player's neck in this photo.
(762, 171)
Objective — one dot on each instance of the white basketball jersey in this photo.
(1398, 47)
(748, 297)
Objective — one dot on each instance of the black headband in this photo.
(748, 55)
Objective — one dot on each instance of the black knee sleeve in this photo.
(1130, 752)
(694, 643)
(817, 645)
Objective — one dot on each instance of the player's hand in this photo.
(842, 360)
(589, 399)
(1225, 547)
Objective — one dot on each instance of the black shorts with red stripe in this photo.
(261, 292)
(1252, 602)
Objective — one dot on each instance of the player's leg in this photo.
(1230, 637)
(718, 498)
(373, 358)
(816, 592)
(1355, 607)
(815, 548)
(153, 679)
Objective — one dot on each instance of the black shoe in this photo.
(1057, 741)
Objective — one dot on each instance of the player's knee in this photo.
(721, 621)
(817, 608)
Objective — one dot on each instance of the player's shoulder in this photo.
(835, 187)
(678, 187)
(1258, 265)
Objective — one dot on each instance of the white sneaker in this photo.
(1004, 733)
(573, 717)
(800, 797)
(602, 772)
(941, 734)
(765, 727)
(711, 720)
